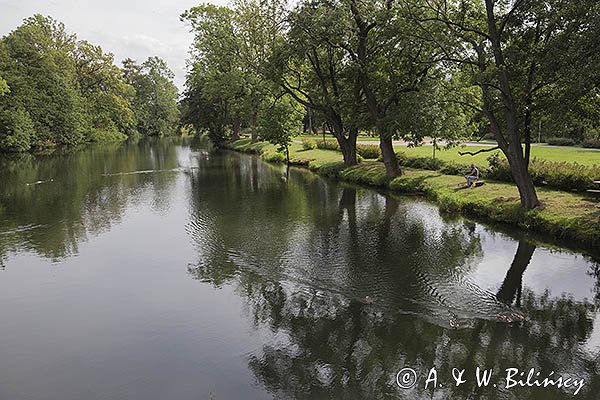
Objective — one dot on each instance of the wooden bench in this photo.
(595, 192)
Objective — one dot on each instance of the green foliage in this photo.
(368, 151)
(559, 175)
(280, 122)
(561, 141)
(155, 97)
(328, 144)
(453, 168)
(309, 144)
(100, 136)
(3, 86)
(56, 90)
(16, 130)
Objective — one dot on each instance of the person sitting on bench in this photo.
(472, 176)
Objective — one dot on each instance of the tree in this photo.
(509, 50)
(35, 61)
(391, 63)
(215, 54)
(155, 96)
(280, 122)
(101, 83)
(310, 66)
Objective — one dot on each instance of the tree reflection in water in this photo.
(305, 253)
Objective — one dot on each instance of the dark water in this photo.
(163, 270)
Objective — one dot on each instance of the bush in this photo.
(429, 163)
(591, 143)
(309, 144)
(328, 144)
(104, 136)
(498, 168)
(368, 151)
(453, 168)
(561, 141)
(560, 175)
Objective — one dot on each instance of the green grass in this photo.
(563, 215)
(568, 154)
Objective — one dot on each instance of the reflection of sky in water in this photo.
(559, 272)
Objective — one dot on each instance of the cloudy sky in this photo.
(127, 28)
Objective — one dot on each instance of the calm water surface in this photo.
(164, 270)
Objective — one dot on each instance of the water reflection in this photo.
(512, 288)
(206, 271)
(49, 204)
(306, 254)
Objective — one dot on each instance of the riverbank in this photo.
(563, 215)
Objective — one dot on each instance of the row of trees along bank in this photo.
(403, 68)
(58, 90)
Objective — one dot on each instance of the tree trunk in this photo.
(348, 148)
(392, 168)
(520, 173)
(236, 127)
(254, 127)
(287, 154)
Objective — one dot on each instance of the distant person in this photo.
(472, 176)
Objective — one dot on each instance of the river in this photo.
(167, 270)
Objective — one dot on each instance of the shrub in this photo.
(328, 144)
(499, 168)
(591, 143)
(104, 136)
(274, 157)
(559, 175)
(561, 141)
(429, 163)
(453, 168)
(309, 144)
(563, 175)
(368, 151)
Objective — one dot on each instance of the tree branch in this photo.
(474, 153)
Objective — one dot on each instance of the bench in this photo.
(595, 192)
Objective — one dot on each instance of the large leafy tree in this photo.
(215, 54)
(36, 63)
(58, 90)
(309, 64)
(517, 53)
(155, 96)
(101, 83)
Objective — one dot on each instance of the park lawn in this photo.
(566, 154)
(550, 153)
(562, 214)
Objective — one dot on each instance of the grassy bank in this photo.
(566, 216)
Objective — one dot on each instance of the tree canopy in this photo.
(58, 90)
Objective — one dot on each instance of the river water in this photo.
(167, 270)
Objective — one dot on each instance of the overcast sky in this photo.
(127, 28)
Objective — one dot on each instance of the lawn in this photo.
(568, 154)
(550, 153)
